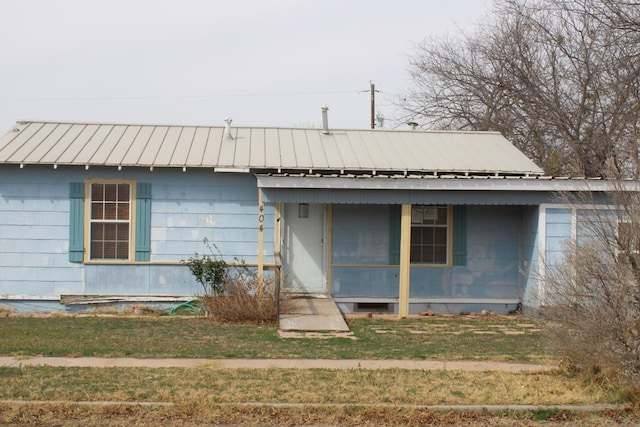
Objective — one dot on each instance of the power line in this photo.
(230, 95)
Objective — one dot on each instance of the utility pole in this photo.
(373, 105)
(372, 90)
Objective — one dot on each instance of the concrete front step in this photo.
(312, 313)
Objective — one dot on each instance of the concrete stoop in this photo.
(312, 313)
(317, 335)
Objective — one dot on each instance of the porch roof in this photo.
(430, 189)
(445, 182)
(263, 149)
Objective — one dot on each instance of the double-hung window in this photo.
(430, 235)
(110, 221)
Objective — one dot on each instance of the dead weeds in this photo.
(192, 414)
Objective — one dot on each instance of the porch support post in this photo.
(405, 257)
(276, 228)
(329, 239)
(260, 236)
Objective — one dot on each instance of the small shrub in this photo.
(211, 271)
(233, 294)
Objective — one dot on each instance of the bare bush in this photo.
(592, 297)
(233, 293)
(246, 299)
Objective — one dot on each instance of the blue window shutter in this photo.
(76, 222)
(395, 217)
(459, 235)
(143, 222)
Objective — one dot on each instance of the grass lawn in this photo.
(211, 395)
(439, 338)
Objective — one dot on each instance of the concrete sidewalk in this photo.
(312, 313)
(106, 362)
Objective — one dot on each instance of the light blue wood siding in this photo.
(557, 233)
(221, 208)
(530, 261)
(365, 235)
(34, 234)
(493, 260)
(369, 282)
(497, 243)
(361, 234)
(186, 208)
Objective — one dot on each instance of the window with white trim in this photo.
(430, 242)
(110, 221)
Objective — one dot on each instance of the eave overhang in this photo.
(443, 183)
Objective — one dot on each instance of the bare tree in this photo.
(560, 79)
(592, 296)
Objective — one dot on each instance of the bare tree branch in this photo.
(560, 79)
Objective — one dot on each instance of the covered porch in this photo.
(409, 250)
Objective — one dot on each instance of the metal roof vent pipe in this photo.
(227, 128)
(325, 120)
(412, 125)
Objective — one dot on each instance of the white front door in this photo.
(303, 248)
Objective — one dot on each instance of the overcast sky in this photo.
(260, 62)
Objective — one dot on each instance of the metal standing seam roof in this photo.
(127, 145)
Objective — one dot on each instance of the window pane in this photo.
(122, 250)
(123, 192)
(416, 253)
(110, 211)
(109, 231)
(416, 214)
(430, 214)
(439, 254)
(109, 250)
(440, 235)
(97, 211)
(97, 232)
(96, 250)
(110, 192)
(123, 211)
(416, 235)
(427, 235)
(122, 232)
(97, 192)
(442, 215)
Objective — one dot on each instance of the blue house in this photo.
(396, 221)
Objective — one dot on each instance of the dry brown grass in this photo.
(71, 414)
(312, 386)
(209, 395)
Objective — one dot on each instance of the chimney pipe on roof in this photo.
(325, 120)
(227, 128)
(413, 125)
